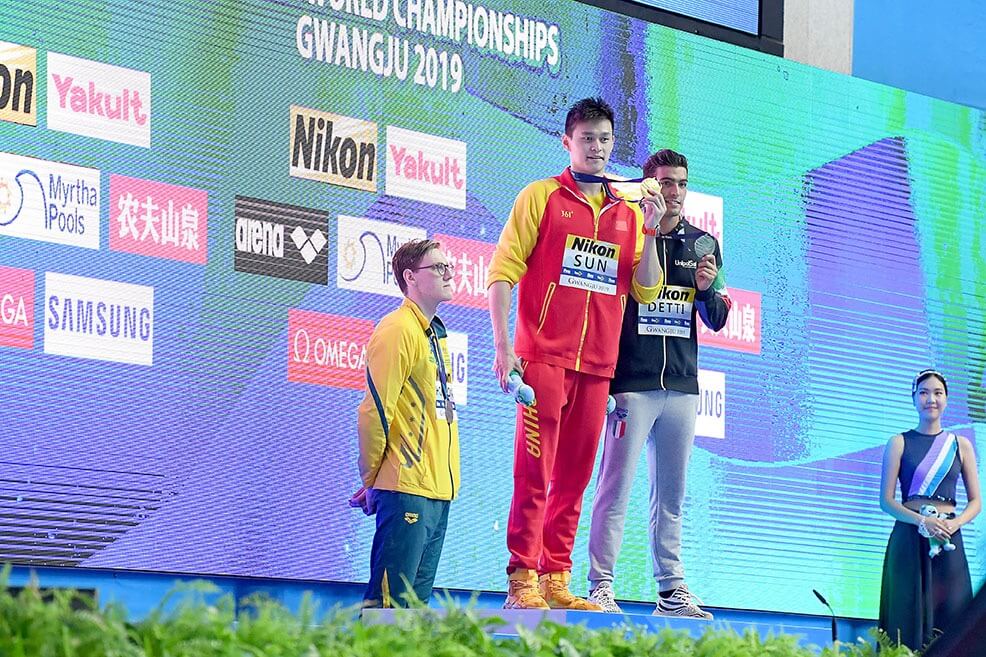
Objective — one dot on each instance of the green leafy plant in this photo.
(194, 621)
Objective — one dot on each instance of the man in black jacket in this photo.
(656, 391)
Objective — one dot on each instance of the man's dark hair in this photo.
(587, 109)
(409, 256)
(664, 158)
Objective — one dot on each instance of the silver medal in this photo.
(704, 245)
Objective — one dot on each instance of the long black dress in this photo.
(921, 596)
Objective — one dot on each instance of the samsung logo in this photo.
(99, 319)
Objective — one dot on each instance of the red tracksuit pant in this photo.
(554, 451)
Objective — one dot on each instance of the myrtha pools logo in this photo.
(49, 201)
(366, 247)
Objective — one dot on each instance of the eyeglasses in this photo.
(441, 268)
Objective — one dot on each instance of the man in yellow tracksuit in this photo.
(408, 433)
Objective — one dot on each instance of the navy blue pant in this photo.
(406, 548)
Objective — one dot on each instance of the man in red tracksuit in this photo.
(575, 252)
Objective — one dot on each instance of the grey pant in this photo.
(665, 419)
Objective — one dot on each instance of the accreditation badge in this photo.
(590, 264)
(669, 315)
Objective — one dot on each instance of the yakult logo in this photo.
(99, 100)
(49, 201)
(159, 220)
(366, 247)
(426, 168)
(327, 350)
(16, 308)
(98, 319)
(18, 72)
(704, 211)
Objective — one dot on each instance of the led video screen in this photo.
(198, 202)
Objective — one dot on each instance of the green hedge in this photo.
(187, 624)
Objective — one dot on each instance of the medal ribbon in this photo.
(442, 375)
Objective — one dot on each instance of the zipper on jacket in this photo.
(664, 338)
(585, 329)
(451, 476)
(436, 348)
(588, 294)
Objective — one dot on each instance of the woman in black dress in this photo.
(921, 595)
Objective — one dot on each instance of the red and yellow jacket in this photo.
(575, 265)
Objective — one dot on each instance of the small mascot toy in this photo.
(937, 544)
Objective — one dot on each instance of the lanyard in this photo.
(442, 376)
(590, 178)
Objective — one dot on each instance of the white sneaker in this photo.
(681, 603)
(605, 598)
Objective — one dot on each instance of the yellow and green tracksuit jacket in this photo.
(406, 444)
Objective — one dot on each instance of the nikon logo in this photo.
(18, 71)
(335, 149)
(671, 293)
(592, 247)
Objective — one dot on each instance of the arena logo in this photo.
(366, 247)
(710, 420)
(16, 308)
(159, 220)
(704, 211)
(426, 168)
(335, 149)
(18, 72)
(98, 319)
(49, 201)
(99, 100)
(327, 350)
(281, 240)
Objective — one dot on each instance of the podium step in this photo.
(816, 635)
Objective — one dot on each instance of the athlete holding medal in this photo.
(656, 391)
(577, 254)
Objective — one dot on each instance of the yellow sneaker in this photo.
(522, 591)
(554, 590)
